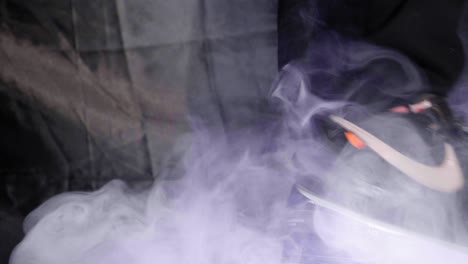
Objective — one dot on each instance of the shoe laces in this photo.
(437, 115)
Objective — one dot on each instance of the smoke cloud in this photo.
(229, 207)
(231, 198)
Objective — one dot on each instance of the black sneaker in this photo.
(403, 172)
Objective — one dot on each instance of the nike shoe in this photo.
(400, 173)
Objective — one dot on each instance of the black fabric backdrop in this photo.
(426, 31)
(96, 90)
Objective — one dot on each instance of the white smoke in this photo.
(228, 200)
(227, 208)
(368, 241)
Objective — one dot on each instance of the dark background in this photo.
(96, 90)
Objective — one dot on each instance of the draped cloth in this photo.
(97, 90)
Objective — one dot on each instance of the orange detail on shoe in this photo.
(354, 140)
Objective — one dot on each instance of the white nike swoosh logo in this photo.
(447, 177)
